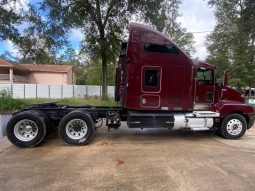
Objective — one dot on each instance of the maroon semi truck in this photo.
(157, 86)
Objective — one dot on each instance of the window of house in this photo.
(156, 48)
(151, 77)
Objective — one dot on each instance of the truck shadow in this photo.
(137, 136)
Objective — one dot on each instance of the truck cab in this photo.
(160, 86)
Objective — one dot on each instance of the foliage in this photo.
(72, 58)
(94, 69)
(81, 75)
(9, 18)
(41, 40)
(9, 104)
(5, 93)
(231, 45)
(37, 40)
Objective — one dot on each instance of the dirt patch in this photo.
(119, 162)
(102, 143)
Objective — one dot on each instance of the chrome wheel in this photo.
(25, 130)
(76, 129)
(234, 127)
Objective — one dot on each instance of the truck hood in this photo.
(230, 94)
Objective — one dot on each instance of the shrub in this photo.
(8, 104)
(5, 93)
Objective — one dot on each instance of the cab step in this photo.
(200, 129)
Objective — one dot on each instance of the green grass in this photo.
(10, 105)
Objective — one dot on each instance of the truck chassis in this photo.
(77, 124)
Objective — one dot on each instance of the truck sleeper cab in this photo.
(157, 86)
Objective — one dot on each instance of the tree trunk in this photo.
(104, 73)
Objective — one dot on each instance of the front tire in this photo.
(26, 129)
(76, 128)
(233, 126)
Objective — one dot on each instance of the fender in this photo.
(226, 107)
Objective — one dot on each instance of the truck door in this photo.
(204, 88)
(150, 87)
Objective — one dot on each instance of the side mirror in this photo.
(225, 79)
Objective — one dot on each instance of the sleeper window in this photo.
(156, 48)
(151, 78)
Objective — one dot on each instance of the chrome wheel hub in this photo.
(76, 129)
(234, 127)
(25, 130)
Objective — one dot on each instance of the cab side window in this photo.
(205, 75)
(151, 77)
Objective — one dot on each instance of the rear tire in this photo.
(26, 129)
(46, 120)
(233, 126)
(76, 128)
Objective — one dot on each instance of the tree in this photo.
(41, 40)
(94, 68)
(37, 40)
(8, 21)
(103, 21)
(231, 45)
(80, 68)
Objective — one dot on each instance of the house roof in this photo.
(56, 68)
(5, 63)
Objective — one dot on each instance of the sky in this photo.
(197, 17)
